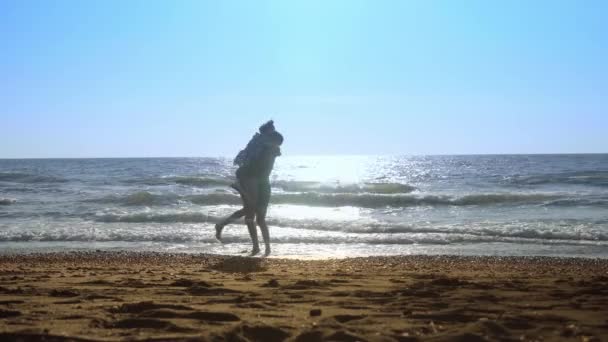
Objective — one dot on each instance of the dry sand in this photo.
(140, 296)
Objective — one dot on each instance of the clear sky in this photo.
(195, 78)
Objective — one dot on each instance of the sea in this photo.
(321, 206)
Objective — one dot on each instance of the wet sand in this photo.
(107, 296)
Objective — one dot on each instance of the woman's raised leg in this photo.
(223, 223)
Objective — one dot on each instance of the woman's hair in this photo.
(267, 127)
(276, 137)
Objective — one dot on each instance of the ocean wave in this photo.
(318, 187)
(570, 202)
(197, 181)
(185, 238)
(138, 198)
(147, 198)
(215, 199)
(20, 189)
(202, 181)
(17, 177)
(38, 215)
(206, 235)
(363, 200)
(288, 186)
(183, 217)
(7, 201)
(398, 201)
(593, 178)
(574, 230)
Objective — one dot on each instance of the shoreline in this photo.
(154, 256)
(325, 251)
(103, 296)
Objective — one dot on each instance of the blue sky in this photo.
(196, 78)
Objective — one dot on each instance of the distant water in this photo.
(321, 206)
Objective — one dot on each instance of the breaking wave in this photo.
(580, 230)
(184, 217)
(371, 235)
(594, 178)
(379, 201)
(374, 188)
(203, 182)
(138, 198)
(7, 201)
(17, 177)
(363, 200)
(289, 186)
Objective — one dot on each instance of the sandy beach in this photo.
(103, 296)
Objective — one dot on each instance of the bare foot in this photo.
(218, 232)
(267, 251)
(254, 251)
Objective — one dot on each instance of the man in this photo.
(253, 184)
(255, 145)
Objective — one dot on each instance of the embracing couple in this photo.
(255, 163)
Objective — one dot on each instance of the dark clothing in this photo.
(260, 167)
(257, 188)
(254, 178)
(254, 187)
(263, 197)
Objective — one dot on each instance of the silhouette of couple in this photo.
(255, 163)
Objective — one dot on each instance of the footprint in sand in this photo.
(146, 323)
(197, 315)
(306, 285)
(9, 313)
(261, 333)
(348, 318)
(184, 282)
(96, 296)
(453, 316)
(271, 283)
(213, 316)
(146, 306)
(197, 290)
(64, 293)
(310, 336)
(345, 337)
(70, 301)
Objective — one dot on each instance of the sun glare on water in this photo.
(325, 169)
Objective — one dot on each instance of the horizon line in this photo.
(326, 155)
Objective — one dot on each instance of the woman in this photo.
(253, 184)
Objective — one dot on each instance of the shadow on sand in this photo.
(240, 264)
